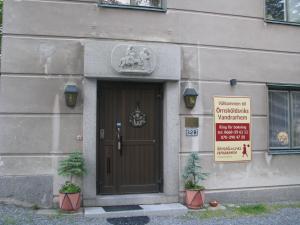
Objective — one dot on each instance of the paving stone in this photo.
(10, 214)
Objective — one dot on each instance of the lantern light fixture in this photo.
(190, 96)
(71, 93)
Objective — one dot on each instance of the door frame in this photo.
(99, 147)
(171, 147)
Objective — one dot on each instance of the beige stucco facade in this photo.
(44, 46)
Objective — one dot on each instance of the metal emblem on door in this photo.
(137, 118)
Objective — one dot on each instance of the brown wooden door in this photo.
(129, 133)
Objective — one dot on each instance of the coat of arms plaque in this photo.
(137, 118)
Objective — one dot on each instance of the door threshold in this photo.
(131, 199)
(146, 210)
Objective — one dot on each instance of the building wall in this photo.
(43, 46)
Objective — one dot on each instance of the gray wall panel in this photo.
(26, 165)
(256, 66)
(40, 134)
(41, 56)
(253, 8)
(37, 94)
(66, 19)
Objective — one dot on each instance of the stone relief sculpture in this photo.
(133, 59)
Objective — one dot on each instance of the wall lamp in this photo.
(190, 96)
(233, 82)
(71, 93)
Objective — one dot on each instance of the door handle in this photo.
(119, 137)
(102, 134)
(120, 143)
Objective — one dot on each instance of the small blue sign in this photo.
(191, 131)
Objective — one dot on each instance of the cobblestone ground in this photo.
(12, 215)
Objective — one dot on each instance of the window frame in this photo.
(290, 88)
(285, 22)
(163, 7)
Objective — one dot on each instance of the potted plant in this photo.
(193, 175)
(69, 193)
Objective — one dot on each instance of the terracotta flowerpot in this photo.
(69, 202)
(194, 199)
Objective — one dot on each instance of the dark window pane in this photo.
(275, 10)
(116, 2)
(149, 3)
(143, 3)
(113, 2)
(279, 119)
(293, 11)
(296, 119)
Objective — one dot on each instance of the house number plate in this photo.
(191, 131)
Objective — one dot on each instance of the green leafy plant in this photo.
(73, 166)
(69, 188)
(193, 173)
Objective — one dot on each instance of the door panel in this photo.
(136, 166)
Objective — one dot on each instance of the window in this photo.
(139, 4)
(283, 11)
(284, 119)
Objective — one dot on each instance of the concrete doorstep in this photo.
(147, 210)
(55, 212)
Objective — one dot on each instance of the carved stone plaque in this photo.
(134, 59)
